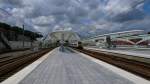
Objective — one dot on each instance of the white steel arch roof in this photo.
(118, 34)
(63, 36)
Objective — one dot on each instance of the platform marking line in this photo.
(19, 76)
(132, 77)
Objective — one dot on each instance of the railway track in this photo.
(139, 68)
(16, 50)
(10, 65)
(9, 58)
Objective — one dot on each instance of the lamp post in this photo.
(9, 14)
(23, 36)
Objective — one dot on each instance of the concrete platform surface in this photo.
(64, 66)
(145, 53)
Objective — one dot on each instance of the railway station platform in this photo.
(143, 52)
(66, 66)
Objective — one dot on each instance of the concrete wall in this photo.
(21, 38)
(19, 44)
(2, 46)
(16, 42)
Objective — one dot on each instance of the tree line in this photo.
(20, 30)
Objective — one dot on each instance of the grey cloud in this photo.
(15, 3)
(131, 15)
(78, 15)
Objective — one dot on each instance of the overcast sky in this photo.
(86, 17)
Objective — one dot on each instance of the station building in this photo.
(133, 38)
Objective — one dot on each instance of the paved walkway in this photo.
(133, 52)
(64, 66)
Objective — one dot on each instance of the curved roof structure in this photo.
(63, 36)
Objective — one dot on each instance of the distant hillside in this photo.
(18, 30)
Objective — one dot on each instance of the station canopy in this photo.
(63, 36)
